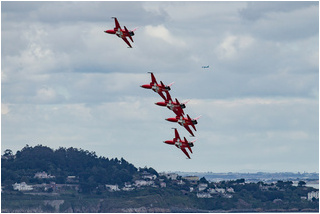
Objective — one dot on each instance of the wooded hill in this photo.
(92, 173)
(90, 169)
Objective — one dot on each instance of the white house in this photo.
(149, 176)
(313, 194)
(172, 176)
(128, 188)
(140, 183)
(43, 175)
(112, 188)
(220, 190)
(163, 184)
(203, 195)
(231, 190)
(216, 190)
(192, 179)
(22, 187)
(202, 186)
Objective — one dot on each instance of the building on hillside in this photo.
(127, 184)
(139, 183)
(72, 179)
(45, 187)
(146, 175)
(217, 190)
(230, 190)
(128, 188)
(180, 182)
(204, 195)
(172, 176)
(163, 184)
(192, 179)
(313, 194)
(202, 187)
(43, 175)
(112, 188)
(22, 186)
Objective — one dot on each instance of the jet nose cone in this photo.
(170, 120)
(110, 31)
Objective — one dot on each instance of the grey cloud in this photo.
(73, 12)
(278, 21)
(257, 10)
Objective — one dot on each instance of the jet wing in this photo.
(168, 96)
(187, 144)
(178, 111)
(153, 79)
(188, 129)
(161, 95)
(179, 108)
(185, 152)
(116, 23)
(127, 32)
(191, 123)
(128, 43)
(177, 136)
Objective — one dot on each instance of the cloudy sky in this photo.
(65, 83)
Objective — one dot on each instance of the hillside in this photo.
(84, 165)
(40, 179)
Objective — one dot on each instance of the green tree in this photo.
(301, 183)
(203, 180)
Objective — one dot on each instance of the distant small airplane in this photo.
(185, 122)
(207, 66)
(175, 106)
(122, 33)
(158, 88)
(181, 144)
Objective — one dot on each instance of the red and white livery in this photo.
(175, 106)
(181, 144)
(185, 122)
(158, 88)
(122, 33)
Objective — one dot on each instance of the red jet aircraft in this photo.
(185, 122)
(181, 144)
(159, 88)
(122, 33)
(175, 106)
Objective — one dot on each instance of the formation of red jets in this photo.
(174, 105)
(177, 108)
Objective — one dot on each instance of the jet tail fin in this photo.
(186, 102)
(168, 96)
(197, 117)
(171, 84)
